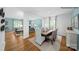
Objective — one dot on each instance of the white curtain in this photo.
(48, 23)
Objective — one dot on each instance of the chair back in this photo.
(54, 34)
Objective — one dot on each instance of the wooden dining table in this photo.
(46, 34)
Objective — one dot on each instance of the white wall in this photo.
(25, 28)
(2, 40)
(2, 37)
(63, 21)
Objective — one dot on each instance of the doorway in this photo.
(31, 28)
(14, 25)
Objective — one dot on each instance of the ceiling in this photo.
(33, 12)
(44, 11)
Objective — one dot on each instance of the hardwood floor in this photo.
(14, 43)
(31, 34)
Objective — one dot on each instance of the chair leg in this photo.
(53, 39)
(52, 42)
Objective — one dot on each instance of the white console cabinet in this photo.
(71, 39)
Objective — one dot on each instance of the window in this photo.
(52, 22)
(48, 22)
(17, 23)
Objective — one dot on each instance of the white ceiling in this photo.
(44, 11)
(33, 12)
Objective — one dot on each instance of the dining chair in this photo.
(53, 36)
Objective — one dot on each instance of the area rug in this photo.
(47, 46)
